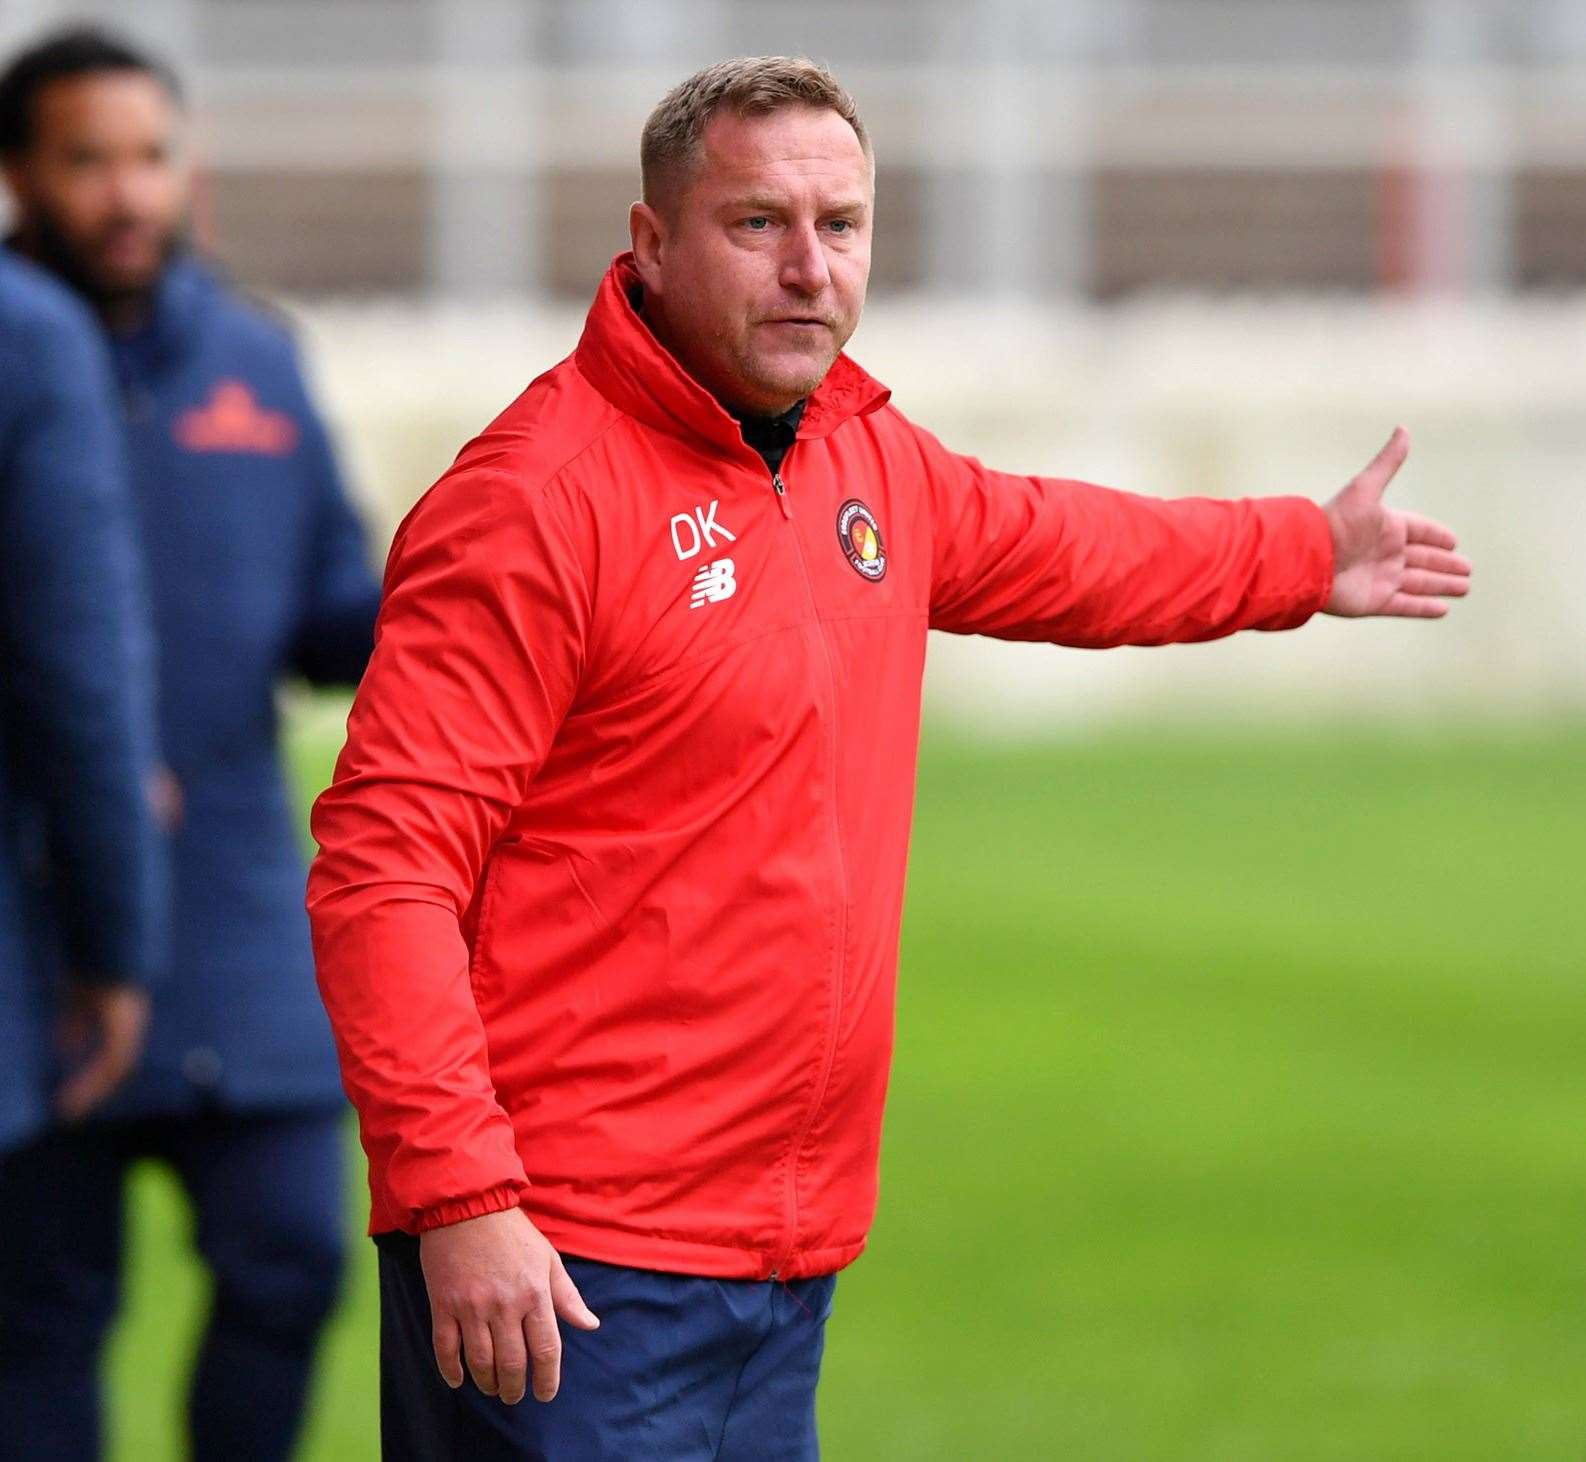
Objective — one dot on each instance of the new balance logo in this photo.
(713, 583)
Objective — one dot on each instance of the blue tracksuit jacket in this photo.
(258, 570)
(80, 860)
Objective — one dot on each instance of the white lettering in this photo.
(702, 528)
(687, 521)
(710, 527)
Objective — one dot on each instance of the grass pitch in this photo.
(1237, 1115)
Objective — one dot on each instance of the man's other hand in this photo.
(101, 1031)
(1385, 562)
(496, 1288)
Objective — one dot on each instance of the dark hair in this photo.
(81, 50)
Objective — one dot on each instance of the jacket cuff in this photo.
(1322, 553)
(455, 1210)
(1307, 585)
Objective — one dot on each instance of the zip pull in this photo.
(781, 495)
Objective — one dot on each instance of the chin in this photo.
(132, 279)
(793, 381)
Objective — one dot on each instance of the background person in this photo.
(258, 570)
(80, 859)
(607, 903)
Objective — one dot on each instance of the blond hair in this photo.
(752, 86)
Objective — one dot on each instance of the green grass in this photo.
(1237, 1115)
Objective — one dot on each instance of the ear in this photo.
(647, 230)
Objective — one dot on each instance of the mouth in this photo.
(127, 246)
(799, 322)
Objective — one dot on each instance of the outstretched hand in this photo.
(1387, 562)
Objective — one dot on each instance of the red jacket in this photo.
(606, 909)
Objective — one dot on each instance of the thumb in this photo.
(1372, 480)
(569, 1304)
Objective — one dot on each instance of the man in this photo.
(607, 903)
(258, 571)
(76, 722)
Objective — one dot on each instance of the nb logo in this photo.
(698, 530)
(713, 583)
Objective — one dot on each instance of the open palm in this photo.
(1387, 562)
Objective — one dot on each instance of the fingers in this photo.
(1439, 561)
(507, 1345)
(1375, 476)
(490, 1346)
(1414, 606)
(544, 1345)
(1424, 531)
(479, 1349)
(447, 1338)
(88, 1086)
(120, 1016)
(1444, 586)
(512, 1359)
(567, 1300)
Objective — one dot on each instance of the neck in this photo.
(126, 313)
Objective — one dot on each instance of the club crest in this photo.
(860, 537)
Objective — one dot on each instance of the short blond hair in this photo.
(752, 86)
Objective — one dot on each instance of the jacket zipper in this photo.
(829, 1056)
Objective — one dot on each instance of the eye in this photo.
(758, 224)
(841, 225)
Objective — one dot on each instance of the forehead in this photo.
(122, 102)
(792, 146)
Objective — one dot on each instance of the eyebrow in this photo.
(767, 203)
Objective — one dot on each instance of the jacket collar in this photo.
(176, 313)
(619, 356)
(180, 307)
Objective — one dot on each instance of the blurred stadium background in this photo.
(1239, 1081)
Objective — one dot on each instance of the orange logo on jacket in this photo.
(233, 421)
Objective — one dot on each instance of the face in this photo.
(102, 190)
(754, 271)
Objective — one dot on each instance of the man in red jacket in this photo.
(607, 904)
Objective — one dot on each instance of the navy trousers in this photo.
(268, 1198)
(682, 1369)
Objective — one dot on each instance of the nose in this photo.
(129, 189)
(804, 269)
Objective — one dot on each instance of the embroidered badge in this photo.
(860, 536)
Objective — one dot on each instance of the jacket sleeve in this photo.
(1037, 558)
(478, 653)
(79, 658)
(336, 632)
